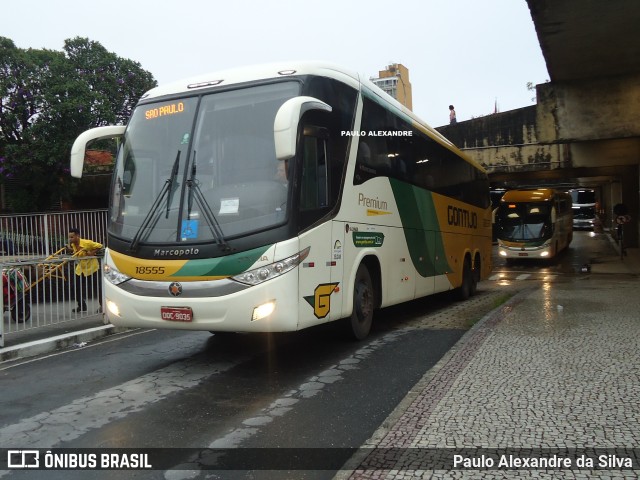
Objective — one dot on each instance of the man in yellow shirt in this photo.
(87, 272)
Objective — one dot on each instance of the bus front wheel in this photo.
(363, 304)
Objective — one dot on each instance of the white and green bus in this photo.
(279, 197)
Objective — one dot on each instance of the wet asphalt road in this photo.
(193, 390)
(311, 389)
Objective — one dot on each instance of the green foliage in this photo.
(47, 98)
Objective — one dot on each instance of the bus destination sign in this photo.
(165, 110)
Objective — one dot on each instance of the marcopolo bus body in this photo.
(533, 223)
(279, 197)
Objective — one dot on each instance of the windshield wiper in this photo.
(170, 180)
(194, 191)
(167, 190)
(192, 179)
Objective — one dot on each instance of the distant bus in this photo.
(278, 197)
(534, 223)
(584, 208)
(496, 196)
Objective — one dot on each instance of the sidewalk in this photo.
(553, 372)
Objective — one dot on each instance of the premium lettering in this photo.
(371, 202)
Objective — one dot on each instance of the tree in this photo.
(47, 98)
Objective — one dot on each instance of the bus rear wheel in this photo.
(465, 290)
(476, 272)
(363, 304)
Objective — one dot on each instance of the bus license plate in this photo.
(177, 314)
(523, 254)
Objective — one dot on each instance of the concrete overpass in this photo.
(585, 127)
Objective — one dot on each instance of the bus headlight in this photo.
(264, 310)
(113, 275)
(113, 308)
(267, 272)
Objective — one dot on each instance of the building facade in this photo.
(394, 80)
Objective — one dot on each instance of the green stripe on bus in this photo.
(222, 266)
(421, 228)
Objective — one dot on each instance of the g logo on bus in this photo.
(175, 289)
(321, 299)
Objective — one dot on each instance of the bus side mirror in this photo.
(285, 125)
(553, 215)
(80, 145)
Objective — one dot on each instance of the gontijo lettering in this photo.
(170, 109)
(460, 217)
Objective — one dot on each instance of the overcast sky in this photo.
(469, 53)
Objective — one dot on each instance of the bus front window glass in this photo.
(157, 135)
(237, 169)
(522, 222)
(230, 160)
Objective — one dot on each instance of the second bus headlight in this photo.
(267, 272)
(113, 275)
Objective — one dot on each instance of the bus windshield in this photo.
(583, 196)
(523, 221)
(194, 169)
(584, 212)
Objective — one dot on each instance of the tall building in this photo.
(395, 81)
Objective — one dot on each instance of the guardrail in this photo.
(39, 284)
(39, 235)
(46, 292)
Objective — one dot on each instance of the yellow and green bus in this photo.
(278, 197)
(534, 223)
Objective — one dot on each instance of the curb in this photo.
(51, 344)
(476, 333)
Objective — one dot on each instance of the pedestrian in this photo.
(87, 272)
(452, 115)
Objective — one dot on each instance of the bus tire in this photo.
(464, 291)
(475, 276)
(363, 304)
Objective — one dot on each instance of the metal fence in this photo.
(39, 284)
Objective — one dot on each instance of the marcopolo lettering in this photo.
(459, 217)
(176, 252)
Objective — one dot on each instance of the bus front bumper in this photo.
(507, 251)
(267, 307)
